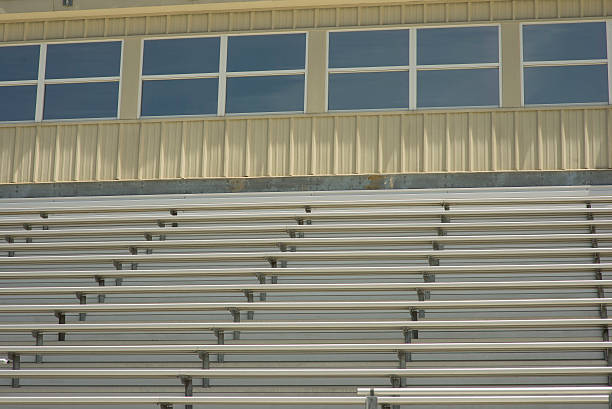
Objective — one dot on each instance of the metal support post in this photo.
(61, 317)
(16, 358)
(414, 316)
(149, 237)
(308, 210)
(173, 212)
(262, 280)
(133, 251)
(188, 383)
(38, 341)
(45, 215)
(165, 406)
(205, 357)
(101, 283)
(371, 401)
(10, 240)
(27, 227)
(220, 341)
(610, 401)
(236, 318)
(249, 297)
(82, 300)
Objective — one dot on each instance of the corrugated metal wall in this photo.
(282, 19)
(326, 144)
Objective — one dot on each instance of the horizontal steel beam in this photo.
(310, 325)
(286, 228)
(316, 241)
(486, 391)
(322, 204)
(295, 400)
(305, 372)
(306, 305)
(309, 255)
(241, 288)
(333, 215)
(305, 348)
(552, 268)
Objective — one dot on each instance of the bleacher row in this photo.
(477, 297)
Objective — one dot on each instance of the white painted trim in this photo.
(368, 69)
(121, 56)
(40, 90)
(17, 83)
(522, 64)
(327, 71)
(564, 63)
(306, 72)
(412, 72)
(140, 79)
(265, 73)
(500, 64)
(159, 77)
(222, 91)
(80, 80)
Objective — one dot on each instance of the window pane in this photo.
(180, 97)
(569, 84)
(18, 103)
(88, 100)
(455, 88)
(377, 48)
(81, 60)
(574, 41)
(372, 90)
(282, 93)
(181, 56)
(266, 52)
(459, 45)
(19, 63)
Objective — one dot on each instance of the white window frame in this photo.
(413, 68)
(223, 74)
(567, 63)
(41, 82)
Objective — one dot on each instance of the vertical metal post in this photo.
(236, 318)
(61, 317)
(188, 383)
(610, 401)
(174, 212)
(205, 357)
(149, 237)
(10, 240)
(101, 283)
(603, 309)
(262, 280)
(38, 341)
(249, 297)
(165, 406)
(371, 401)
(133, 251)
(27, 227)
(16, 358)
(220, 341)
(82, 300)
(414, 316)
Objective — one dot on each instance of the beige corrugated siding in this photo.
(328, 144)
(301, 18)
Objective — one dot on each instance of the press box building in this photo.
(226, 163)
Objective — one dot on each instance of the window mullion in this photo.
(40, 90)
(609, 55)
(222, 76)
(412, 71)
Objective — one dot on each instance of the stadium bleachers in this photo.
(442, 298)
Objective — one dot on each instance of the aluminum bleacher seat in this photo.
(351, 299)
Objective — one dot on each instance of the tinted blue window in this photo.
(88, 100)
(282, 93)
(460, 45)
(455, 88)
(574, 41)
(368, 48)
(180, 97)
(18, 103)
(374, 90)
(181, 56)
(81, 60)
(19, 63)
(266, 52)
(568, 84)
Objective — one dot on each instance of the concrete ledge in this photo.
(311, 183)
